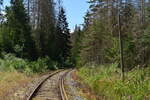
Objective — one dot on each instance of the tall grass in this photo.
(12, 82)
(106, 82)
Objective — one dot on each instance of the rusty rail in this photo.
(62, 87)
(35, 90)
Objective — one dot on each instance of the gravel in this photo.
(72, 88)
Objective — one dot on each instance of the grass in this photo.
(16, 73)
(10, 82)
(106, 82)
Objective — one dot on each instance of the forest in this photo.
(35, 33)
(110, 50)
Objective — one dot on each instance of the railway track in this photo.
(51, 88)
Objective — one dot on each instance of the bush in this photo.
(11, 63)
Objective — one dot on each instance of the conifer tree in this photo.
(1, 3)
(64, 34)
(76, 45)
(18, 24)
(100, 41)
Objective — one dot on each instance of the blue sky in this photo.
(75, 10)
(6, 2)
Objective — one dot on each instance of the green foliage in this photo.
(94, 44)
(76, 46)
(11, 63)
(44, 40)
(63, 39)
(111, 53)
(5, 39)
(100, 34)
(106, 82)
(98, 45)
(17, 32)
(145, 37)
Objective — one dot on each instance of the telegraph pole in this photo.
(120, 39)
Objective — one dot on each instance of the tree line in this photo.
(33, 29)
(98, 41)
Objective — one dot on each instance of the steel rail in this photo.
(35, 90)
(62, 87)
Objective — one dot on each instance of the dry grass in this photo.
(10, 82)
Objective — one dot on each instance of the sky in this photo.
(75, 11)
(6, 2)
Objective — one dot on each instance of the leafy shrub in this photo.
(11, 63)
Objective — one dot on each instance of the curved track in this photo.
(51, 88)
(62, 87)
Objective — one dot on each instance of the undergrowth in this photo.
(10, 63)
(106, 82)
(16, 73)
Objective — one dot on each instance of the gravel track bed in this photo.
(50, 89)
(72, 88)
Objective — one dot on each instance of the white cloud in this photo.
(3, 13)
(72, 30)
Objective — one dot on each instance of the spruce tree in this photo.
(64, 35)
(18, 24)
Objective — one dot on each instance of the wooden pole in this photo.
(120, 40)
